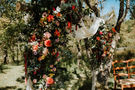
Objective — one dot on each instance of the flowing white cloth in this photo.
(85, 32)
(29, 84)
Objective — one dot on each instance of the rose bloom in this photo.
(100, 33)
(69, 25)
(47, 35)
(35, 47)
(47, 43)
(49, 80)
(98, 38)
(34, 80)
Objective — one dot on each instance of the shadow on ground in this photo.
(8, 88)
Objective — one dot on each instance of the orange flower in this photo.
(49, 80)
(98, 38)
(35, 47)
(58, 14)
(41, 58)
(50, 18)
(33, 37)
(47, 43)
(113, 29)
(57, 33)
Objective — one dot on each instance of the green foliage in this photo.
(11, 27)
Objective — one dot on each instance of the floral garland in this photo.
(42, 52)
(102, 49)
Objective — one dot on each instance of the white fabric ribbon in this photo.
(85, 32)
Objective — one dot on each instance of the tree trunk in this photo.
(94, 79)
(5, 56)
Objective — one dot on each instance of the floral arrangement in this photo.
(102, 49)
(44, 42)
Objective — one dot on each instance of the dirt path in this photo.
(12, 78)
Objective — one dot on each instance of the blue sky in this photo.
(111, 4)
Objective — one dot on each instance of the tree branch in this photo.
(93, 7)
(122, 15)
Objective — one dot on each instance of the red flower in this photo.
(34, 72)
(57, 33)
(98, 38)
(73, 7)
(47, 43)
(57, 54)
(113, 29)
(49, 80)
(69, 25)
(100, 33)
(50, 18)
(54, 9)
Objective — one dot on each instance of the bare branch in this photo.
(93, 7)
(132, 13)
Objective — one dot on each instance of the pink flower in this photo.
(44, 14)
(57, 40)
(49, 80)
(34, 80)
(110, 34)
(47, 43)
(35, 47)
(44, 76)
(47, 35)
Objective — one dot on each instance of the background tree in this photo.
(11, 26)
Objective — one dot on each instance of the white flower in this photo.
(57, 10)
(33, 43)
